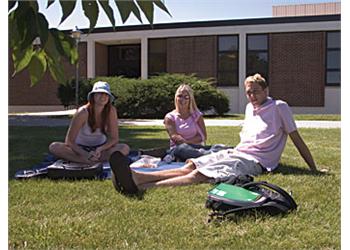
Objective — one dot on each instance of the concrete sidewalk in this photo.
(59, 118)
(214, 122)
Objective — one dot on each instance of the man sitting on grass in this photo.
(264, 134)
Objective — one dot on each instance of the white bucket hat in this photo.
(101, 87)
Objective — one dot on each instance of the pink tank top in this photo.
(187, 128)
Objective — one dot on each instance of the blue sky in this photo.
(181, 11)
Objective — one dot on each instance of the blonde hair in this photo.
(257, 78)
(188, 89)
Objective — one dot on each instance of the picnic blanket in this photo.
(141, 163)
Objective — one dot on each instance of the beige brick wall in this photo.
(307, 9)
(192, 55)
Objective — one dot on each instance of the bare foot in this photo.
(135, 178)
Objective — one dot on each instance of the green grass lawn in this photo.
(45, 214)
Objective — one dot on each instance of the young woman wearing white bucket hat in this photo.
(93, 132)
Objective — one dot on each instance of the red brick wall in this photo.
(101, 59)
(297, 68)
(192, 55)
(44, 92)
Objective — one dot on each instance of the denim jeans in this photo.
(186, 151)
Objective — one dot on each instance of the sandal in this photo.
(121, 174)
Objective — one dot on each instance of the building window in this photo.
(333, 59)
(124, 60)
(157, 56)
(257, 55)
(227, 74)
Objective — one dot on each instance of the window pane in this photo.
(156, 64)
(227, 71)
(129, 54)
(257, 63)
(333, 40)
(157, 56)
(257, 42)
(333, 59)
(228, 62)
(157, 45)
(227, 79)
(124, 60)
(333, 77)
(228, 43)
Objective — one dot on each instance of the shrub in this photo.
(154, 97)
(66, 92)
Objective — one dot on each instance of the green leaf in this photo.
(11, 4)
(161, 5)
(14, 36)
(37, 67)
(21, 58)
(50, 47)
(56, 70)
(108, 10)
(42, 28)
(49, 3)
(74, 55)
(67, 8)
(25, 22)
(127, 7)
(34, 5)
(53, 55)
(147, 9)
(91, 12)
(64, 44)
(70, 50)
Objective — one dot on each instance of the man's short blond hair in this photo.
(257, 78)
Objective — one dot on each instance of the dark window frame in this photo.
(326, 61)
(225, 52)
(266, 76)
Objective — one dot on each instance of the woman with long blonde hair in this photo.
(185, 126)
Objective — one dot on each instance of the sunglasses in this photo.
(186, 97)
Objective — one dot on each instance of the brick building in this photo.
(299, 55)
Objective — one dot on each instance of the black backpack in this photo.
(245, 197)
(62, 169)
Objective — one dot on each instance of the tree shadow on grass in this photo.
(294, 170)
(31, 151)
(143, 137)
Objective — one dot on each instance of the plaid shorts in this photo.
(224, 164)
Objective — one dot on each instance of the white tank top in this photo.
(87, 138)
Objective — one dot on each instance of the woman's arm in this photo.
(171, 129)
(201, 125)
(303, 149)
(76, 124)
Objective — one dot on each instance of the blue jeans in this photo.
(186, 151)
